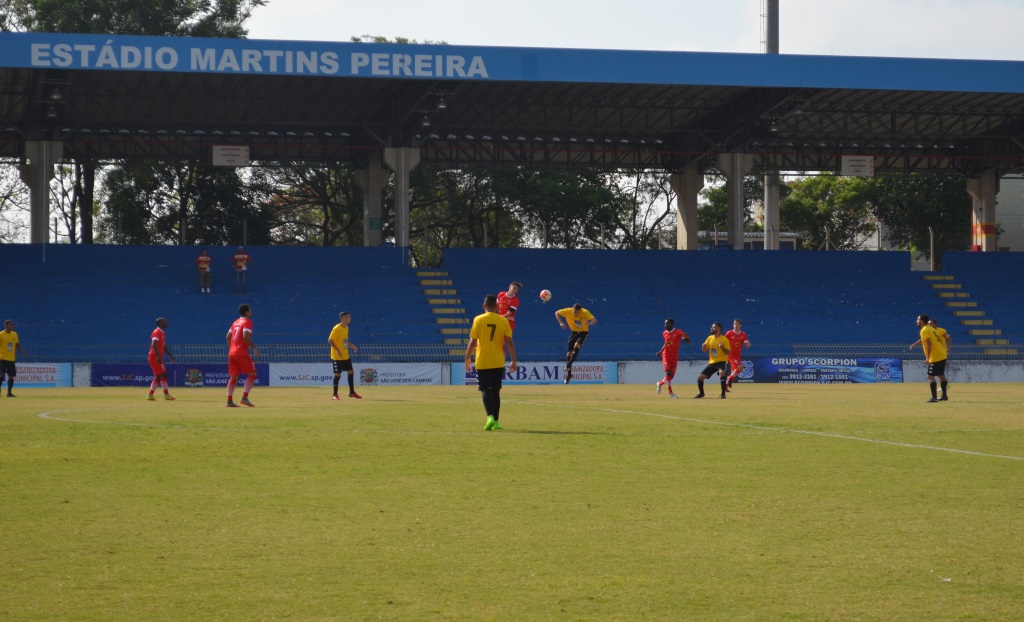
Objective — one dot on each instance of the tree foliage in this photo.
(909, 205)
(830, 212)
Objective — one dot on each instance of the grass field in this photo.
(784, 502)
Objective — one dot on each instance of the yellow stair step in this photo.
(448, 311)
(992, 342)
(454, 331)
(954, 295)
(424, 273)
(960, 303)
(429, 282)
(938, 277)
(979, 332)
(1006, 351)
(452, 320)
(976, 322)
(443, 301)
(946, 286)
(456, 352)
(454, 341)
(441, 292)
(969, 313)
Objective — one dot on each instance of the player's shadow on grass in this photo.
(561, 432)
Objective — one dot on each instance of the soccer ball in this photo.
(545, 295)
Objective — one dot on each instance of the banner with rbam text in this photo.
(601, 372)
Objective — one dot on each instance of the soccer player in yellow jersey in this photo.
(8, 344)
(340, 346)
(489, 337)
(935, 355)
(578, 320)
(717, 347)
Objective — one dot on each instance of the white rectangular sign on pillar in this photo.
(858, 166)
(231, 155)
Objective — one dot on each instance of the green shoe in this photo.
(490, 423)
(150, 398)
(497, 426)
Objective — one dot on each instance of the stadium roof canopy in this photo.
(175, 98)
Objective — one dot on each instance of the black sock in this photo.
(932, 386)
(335, 385)
(351, 383)
(700, 385)
(488, 403)
(723, 386)
(496, 401)
(572, 359)
(944, 385)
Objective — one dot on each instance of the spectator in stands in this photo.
(669, 354)
(239, 339)
(203, 264)
(241, 261)
(339, 354)
(717, 347)
(489, 337)
(737, 341)
(508, 303)
(157, 348)
(9, 342)
(935, 355)
(578, 320)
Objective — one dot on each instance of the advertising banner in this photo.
(603, 372)
(384, 374)
(43, 375)
(821, 370)
(178, 375)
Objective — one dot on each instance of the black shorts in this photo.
(713, 368)
(490, 379)
(577, 339)
(340, 366)
(8, 368)
(938, 368)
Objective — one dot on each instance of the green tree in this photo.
(830, 212)
(909, 205)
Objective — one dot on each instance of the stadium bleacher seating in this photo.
(70, 301)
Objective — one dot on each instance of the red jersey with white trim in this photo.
(672, 340)
(203, 263)
(238, 329)
(506, 304)
(736, 340)
(160, 339)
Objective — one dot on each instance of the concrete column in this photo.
(983, 191)
(735, 167)
(401, 160)
(687, 185)
(372, 181)
(36, 173)
(771, 212)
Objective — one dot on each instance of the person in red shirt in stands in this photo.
(157, 348)
(669, 354)
(203, 264)
(241, 261)
(239, 339)
(737, 341)
(508, 303)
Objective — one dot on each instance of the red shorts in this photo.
(736, 362)
(240, 365)
(157, 365)
(670, 366)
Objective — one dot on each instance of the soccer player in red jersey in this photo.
(203, 263)
(508, 303)
(239, 339)
(737, 341)
(669, 354)
(157, 348)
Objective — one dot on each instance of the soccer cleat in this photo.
(568, 374)
(673, 396)
(698, 396)
(943, 398)
(659, 388)
(231, 404)
(930, 400)
(727, 389)
(150, 398)
(355, 395)
(335, 397)
(722, 396)
(728, 383)
(497, 426)
(245, 402)
(490, 423)
(11, 395)
(169, 397)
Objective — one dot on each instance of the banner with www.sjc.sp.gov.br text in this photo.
(821, 370)
(383, 374)
(546, 372)
(178, 375)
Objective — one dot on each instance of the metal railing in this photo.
(439, 353)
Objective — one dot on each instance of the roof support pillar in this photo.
(402, 160)
(371, 181)
(687, 185)
(37, 172)
(771, 211)
(735, 167)
(983, 191)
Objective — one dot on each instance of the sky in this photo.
(973, 29)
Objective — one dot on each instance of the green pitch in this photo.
(597, 503)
